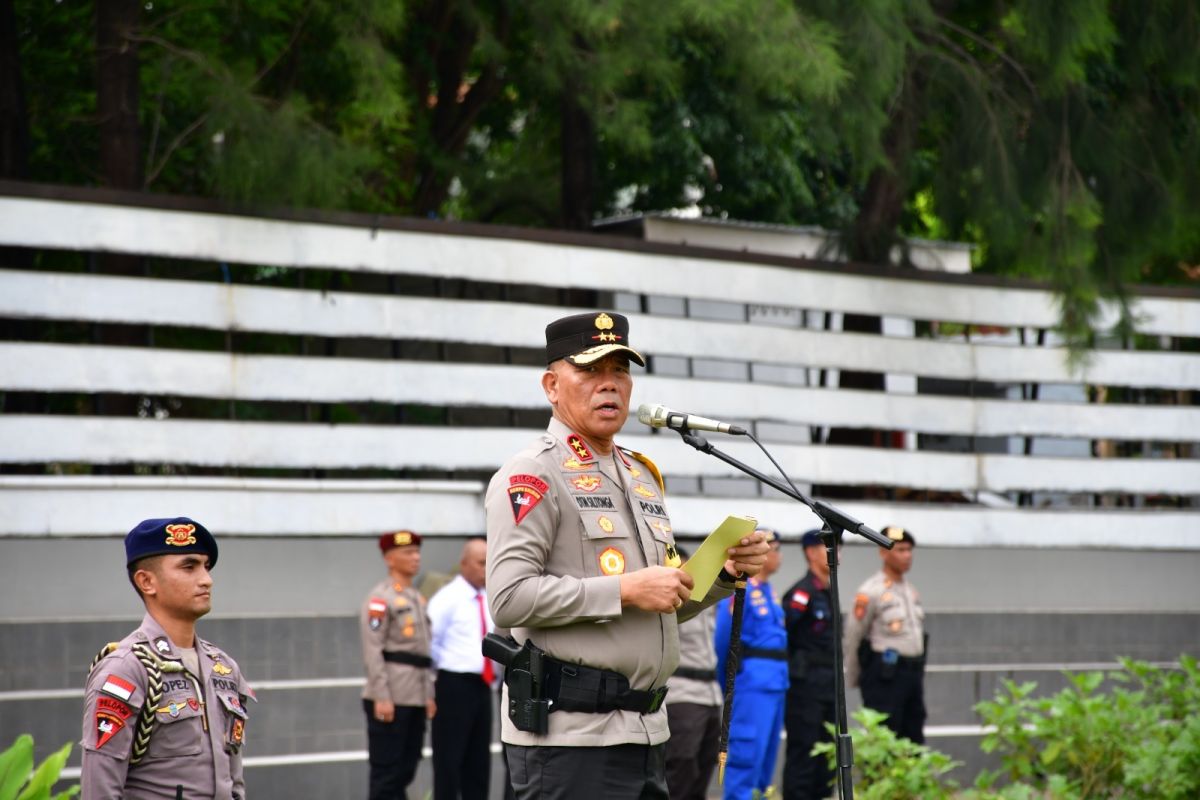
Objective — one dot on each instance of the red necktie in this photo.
(489, 674)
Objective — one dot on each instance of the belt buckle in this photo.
(657, 697)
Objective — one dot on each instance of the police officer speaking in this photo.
(885, 641)
(165, 711)
(582, 566)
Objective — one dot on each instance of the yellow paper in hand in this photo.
(707, 561)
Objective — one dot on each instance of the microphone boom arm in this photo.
(835, 517)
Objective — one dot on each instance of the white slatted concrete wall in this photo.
(34, 504)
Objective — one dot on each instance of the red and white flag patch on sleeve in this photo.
(799, 599)
(118, 687)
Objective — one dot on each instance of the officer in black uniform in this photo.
(808, 612)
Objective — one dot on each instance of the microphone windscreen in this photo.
(646, 414)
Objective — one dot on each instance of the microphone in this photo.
(659, 416)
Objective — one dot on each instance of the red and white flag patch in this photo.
(799, 600)
(118, 687)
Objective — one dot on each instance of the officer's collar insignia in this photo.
(576, 443)
(612, 561)
(524, 493)
(181, 534)
(586, 483)
(162, 645)
(644, 492)
(221, 669)
(576, 464)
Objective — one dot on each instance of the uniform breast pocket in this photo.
(607, 544)
(178, 729)
(891, 619)
(233, 712)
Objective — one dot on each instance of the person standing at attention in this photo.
(462, 730)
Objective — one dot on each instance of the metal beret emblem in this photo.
(181, 535)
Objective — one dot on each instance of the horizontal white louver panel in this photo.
(266, 508)
(95, 440)
(91, 298)
(204, 236)
(83, 368)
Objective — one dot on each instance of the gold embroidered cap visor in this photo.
(584, 339)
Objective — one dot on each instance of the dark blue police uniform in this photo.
(808, 610)
(759, 691)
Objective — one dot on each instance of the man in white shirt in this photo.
(462, 730)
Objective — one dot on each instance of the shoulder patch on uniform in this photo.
(376, 609)
(524, 493)
(861, 601)
(799, 600)
(108, 725)
(118, 687)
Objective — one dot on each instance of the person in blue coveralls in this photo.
(761, 686)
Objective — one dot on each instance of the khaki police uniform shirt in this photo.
(563, 524)
(197, 737)
(394, 619)
(890, 615)
(696, 651)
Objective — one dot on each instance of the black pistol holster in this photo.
(539, 684)
(525, 678)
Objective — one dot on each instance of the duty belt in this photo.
(759, 652)
(412, 659)
(576, 687)
(696, 674)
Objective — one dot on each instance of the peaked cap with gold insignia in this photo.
(585, 338)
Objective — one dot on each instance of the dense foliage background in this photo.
(1060, 138)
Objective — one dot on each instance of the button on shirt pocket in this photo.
(178, 729)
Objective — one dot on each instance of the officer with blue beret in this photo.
(164, 710)
(762, 681)
(808, 609)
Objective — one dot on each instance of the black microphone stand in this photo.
(835, 522)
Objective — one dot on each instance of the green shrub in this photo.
(889, 767)
(1138, 740)
(19, 780)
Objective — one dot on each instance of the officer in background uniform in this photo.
(165, 711)
(885, 641)
(808, 610)
(761, 683)
(398, 697)
(582, 565)
(694, 709)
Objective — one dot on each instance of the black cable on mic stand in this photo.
(835, 522)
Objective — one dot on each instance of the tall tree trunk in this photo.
(117, 102)
(870, 241)
(578, 161)
(14, 122)
(117, 93)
